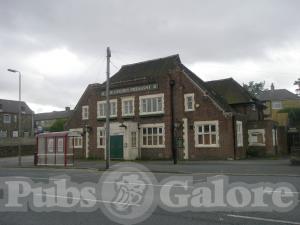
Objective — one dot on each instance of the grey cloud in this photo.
(211, 30)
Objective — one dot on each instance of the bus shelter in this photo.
(56, 148)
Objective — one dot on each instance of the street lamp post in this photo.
(19, 119)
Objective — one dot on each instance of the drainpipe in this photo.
(173, 147)
(234, 137)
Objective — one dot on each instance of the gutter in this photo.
(234, 137)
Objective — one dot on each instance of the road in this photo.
(159, 216)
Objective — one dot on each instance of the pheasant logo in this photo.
(127, 193)
(130, 191)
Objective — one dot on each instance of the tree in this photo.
(293, 114)
(58, 125)
(255, 88)
(297, 82)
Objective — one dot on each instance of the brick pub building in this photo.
(147, 98)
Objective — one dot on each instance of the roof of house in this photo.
(232, 91)
(277, 94)
(150, 70)
(208, 90)
(12, 106)
(146, 70)
(53, 115)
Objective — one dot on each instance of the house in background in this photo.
(9, 116)
(43, 121)
(277, 100)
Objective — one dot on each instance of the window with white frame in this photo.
(128, 106)
(274, 137)
(3, 133)
(133, 139)
(60, 145)
(85, 112)
(50, 145)
(101, 108)
(256, 137)
(239, 133)
(15, 134)
(151, 104)
(276, 105)
(207, 134)
(189, 102)
(153, 135)
(100, 137)
(76, 140)
(6, 118)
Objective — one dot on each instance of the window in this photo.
(256, 137)
(60, 145)
(207, 134)
(85, 112)
(6, 118)
(239, 133)
(101, 108)
(15, 134)
(153, 135)
(100, 137)
(133, 139)
(3, 134)
(128, 106)
(50, 145)
(26, 134)
(77, 140)
(151, 104)
(15, 118)
(274, 137)
(276, 105)
(189, 102)
(23, 110)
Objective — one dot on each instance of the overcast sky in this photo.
(59, 45)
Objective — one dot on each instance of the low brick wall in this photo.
(9, 147)
(9, 151)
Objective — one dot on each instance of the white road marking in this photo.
(264, 219)
(86, 199)
(38, 178)
(113, 182)
(147, 184)
(289, 192)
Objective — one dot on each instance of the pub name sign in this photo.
(119, 91)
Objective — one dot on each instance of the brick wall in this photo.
(206, 110)
(268, 149)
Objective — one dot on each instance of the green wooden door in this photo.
(116, 147)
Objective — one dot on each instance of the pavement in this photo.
(239, 167)
(247, 171)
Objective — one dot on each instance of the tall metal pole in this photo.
(19, 124)
(107, 142)
(19, 119)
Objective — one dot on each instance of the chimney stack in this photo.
(67, 108)
(272, 87)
